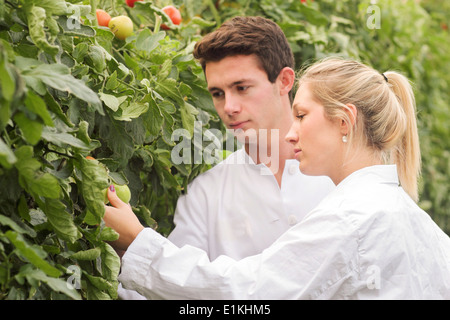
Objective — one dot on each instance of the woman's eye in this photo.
(300, 116)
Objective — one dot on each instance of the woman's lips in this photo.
(297, 152)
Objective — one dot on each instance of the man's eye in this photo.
(242, 88)
(217, 94)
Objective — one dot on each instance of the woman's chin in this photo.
(307, 170)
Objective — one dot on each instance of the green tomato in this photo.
(121, 26)
(123, 192)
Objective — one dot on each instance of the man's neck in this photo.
(273, 155)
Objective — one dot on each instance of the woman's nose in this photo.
(292, 136)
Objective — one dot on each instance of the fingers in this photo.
(114, 200)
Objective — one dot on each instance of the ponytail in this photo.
(386, 111)
(406, 155)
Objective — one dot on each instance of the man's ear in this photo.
(286, 79)
(352, 113)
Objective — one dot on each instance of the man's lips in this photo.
(297, 152)
(237, 124)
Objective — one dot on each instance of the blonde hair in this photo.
(386, 118)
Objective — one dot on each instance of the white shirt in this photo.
(366, 240)
(238, 209)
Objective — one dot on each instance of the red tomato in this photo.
(103, 17)
(174, 15)
(130, 3)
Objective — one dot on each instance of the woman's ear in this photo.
(352, 112)
(287, 79)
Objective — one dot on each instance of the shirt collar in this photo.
(243, 157)
(378, 174)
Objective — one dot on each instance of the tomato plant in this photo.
(80, 110)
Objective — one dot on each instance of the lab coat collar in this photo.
(386, 174)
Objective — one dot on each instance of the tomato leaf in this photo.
(61, 221)
(7, 157)
(36, 20)
(34, 254)
(36, 105)
(146, 41)
(58, 77)
(90, 254)
(94, 181)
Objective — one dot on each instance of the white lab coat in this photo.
(238, 209)
(366, 240)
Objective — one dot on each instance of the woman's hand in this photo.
(121, 218)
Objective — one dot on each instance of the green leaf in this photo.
(146, 41)
(63, 139)
(58, 285)
(32, 179)
(94, 181)
(110, 262)
(97, 58)
(112, 83)
(153, 118)
(168, 88)
(132, 111)
(35, 104)
(314, 16)
(90, 254)
(58, 77)
(61, 221)
(72, 27)
(7, 157)
(31, 129)
(103, 285)
(6, 221)
(52, 7)
(108, 234)
(36, 21)
(188, 113)
(7, 83)
(202, 23)
(34, 254)
(111, 101)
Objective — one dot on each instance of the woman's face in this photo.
(317, 140)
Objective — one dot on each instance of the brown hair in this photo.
(246, 36)
(386, 116)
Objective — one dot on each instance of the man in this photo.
(242, 205)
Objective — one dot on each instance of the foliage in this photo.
(69, 89)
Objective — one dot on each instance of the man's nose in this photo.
(232, 105)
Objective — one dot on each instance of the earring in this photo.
(344, 139)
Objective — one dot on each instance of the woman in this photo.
(368, 239)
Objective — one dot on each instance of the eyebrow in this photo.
(296, 106)
(235, 83)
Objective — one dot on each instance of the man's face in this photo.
(243, 95)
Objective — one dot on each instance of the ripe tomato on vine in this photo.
(103, 17)
(174, 15)
(130, 3)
